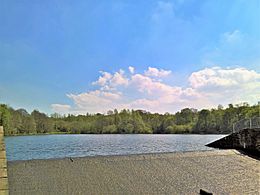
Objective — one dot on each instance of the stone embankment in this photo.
(247, 140)
(3, 165)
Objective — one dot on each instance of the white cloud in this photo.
(119, 79)
(144, 104)
(207, 88)
(154, 72)
(109, 81)
(147, 85)
(95, 101)
(226, 85)
(232, 37)
(102, 80)
(61, 108)
(131, 69)
(216, 76)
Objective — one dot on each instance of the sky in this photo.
(162, 56)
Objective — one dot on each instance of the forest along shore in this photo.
(189, 120)
(219, 171)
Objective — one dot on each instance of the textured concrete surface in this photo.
(3, 168)
(219, 172)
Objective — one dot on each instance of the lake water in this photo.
(59, 146)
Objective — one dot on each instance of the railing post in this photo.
(233, 130)
(250, 123)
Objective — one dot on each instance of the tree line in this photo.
(188, 120)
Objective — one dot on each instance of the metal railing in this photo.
(246, 124)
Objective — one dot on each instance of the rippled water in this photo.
(58, 146)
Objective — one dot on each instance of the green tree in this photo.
(5, 118)
(203, 122)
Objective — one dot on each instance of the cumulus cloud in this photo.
(216, 76)
(95, 101)
(131, 69)
(227, 84)
(154, 72)
(61, 108)
(145, 84)
(103, 79)
(109, 81)
(207, 88)
(119, 79)
(94, 97)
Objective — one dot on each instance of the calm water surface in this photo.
(59, 146)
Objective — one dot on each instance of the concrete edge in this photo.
(4, 187)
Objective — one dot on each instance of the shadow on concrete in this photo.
(246, 141)
(250, 153)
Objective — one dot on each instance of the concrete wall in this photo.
(3, 165)
(247, 139)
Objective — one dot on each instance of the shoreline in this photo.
(58, 133)
(216, 171)
(123, 155)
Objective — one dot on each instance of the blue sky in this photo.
(52, 52)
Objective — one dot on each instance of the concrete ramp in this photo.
(217, 172)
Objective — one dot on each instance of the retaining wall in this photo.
(3, 165)
(246, 139)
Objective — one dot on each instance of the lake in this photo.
(59, 146)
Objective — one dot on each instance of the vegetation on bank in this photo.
(218, 121)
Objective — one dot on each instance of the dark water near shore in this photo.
(59, 146)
